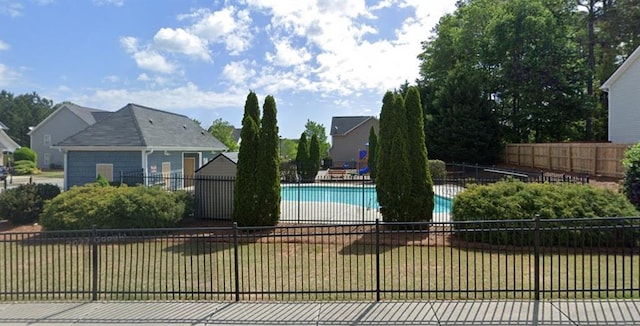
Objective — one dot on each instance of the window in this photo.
(47, 140)
(47, 160)
(105, 170)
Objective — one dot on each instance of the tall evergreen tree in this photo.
(268, 172)
(385, 164)
(245, 200)
(421, 183)
(302, 158)
(373, 154)
(314, 157)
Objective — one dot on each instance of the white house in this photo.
(624, 101)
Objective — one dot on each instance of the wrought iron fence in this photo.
(344, 198)
(524, 259)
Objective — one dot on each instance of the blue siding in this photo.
(81, 166)
(158, 157)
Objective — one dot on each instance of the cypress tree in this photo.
(421, 185)
(373, 154)
(314, 157)
(384, 163)
(268, 172)
(245, 199)
(399, 208)
(302, 158)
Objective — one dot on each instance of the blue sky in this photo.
(318, 58)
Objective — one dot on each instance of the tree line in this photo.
(500, 71)
(18, 113)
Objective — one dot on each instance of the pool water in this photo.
(347, 195)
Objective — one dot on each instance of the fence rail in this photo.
(524, 259)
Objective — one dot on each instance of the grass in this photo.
(51, 174)
(197, 268)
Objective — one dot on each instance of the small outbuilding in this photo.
(215, 185)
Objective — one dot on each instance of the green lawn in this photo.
(169, 269)
(52, 174)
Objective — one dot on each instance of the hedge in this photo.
(23, 205)
(113, 207)
(514, 200)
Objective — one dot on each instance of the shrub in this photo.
(25, 154)
(515, 200)
(24, 204)
(102, 181)
(25, 167)
(438, 169)
(113, 207)
(631, 184)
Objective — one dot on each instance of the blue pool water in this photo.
(347, 195)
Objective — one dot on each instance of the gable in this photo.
(632, 60)
(88, 115)
(343, 125)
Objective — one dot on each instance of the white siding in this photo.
(624, 106)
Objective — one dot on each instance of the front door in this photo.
(189, 166)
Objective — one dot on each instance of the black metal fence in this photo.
(344, 198)
(534, 259)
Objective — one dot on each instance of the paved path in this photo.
(601, 312)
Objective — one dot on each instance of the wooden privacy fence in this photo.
(597, 159)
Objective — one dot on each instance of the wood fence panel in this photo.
(601, 159)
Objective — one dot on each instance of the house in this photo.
(624, 101)
(214, 186)
(66, 120)
(137, 139)
(349, 136)
(7, 145)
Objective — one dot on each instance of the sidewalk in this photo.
(556, 312)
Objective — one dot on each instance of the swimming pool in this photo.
(347, 195)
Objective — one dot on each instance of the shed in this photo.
(215, 185)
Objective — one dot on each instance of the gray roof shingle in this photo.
(342, 125)
(138, 126)
(88, 115)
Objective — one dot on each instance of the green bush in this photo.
(113, 207)
(25, 154)
(631, 185)
(102, 181)
(438, 169)
(24, 204)
(515, 200)
(24, 167)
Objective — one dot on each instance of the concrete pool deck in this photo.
(337, 213)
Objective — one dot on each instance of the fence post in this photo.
(377, 259)
(298, 205)
(363, 200)
(235, 261)
(536, 257)
(94, 263)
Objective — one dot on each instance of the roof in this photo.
(6, 143)
(3, 127)
(621, 70)
(88, 115)
(231, 156)
(139, 126)
(343, 125)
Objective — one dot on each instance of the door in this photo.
(189, 168)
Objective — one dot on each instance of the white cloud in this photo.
(11, 8)
(238, 72)
(117, 3)
(181, 41)
(112, 79)
(146, 58)
(286, 55)
(228, 26)
(4, 46)
(172, 99)
(7, 76)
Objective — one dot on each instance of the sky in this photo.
(318, 58)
